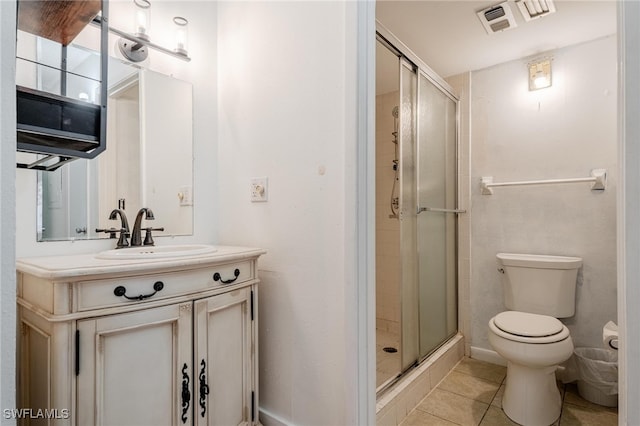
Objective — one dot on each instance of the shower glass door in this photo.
(408, 238)
(416, 254)
(436, 215)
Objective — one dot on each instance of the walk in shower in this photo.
(416, 211)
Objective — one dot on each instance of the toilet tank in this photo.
(539, 284)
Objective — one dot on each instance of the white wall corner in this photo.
(628, 219)
(365, 218)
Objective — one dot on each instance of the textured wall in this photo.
(560, 132)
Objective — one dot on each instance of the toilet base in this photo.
(531, 395)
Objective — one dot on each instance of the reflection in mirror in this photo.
(148, 162)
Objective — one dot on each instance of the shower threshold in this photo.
(418, 380)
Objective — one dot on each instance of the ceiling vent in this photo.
(497, 18)
(534, 9)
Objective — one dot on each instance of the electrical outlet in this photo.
(259, 189)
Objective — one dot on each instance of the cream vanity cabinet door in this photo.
(136, 368)
(224, 359)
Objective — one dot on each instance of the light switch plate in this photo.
(186, 196)
(258, 189)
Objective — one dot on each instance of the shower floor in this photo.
(387, 363)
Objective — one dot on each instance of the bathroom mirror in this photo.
(148, 161)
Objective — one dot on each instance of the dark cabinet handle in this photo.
(204, 388)
(121, 291)
(217, 277)
(186, 395)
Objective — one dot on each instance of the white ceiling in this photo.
(448, 36)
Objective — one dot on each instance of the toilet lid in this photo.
(527, 325)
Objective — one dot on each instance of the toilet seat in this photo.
(528, 328)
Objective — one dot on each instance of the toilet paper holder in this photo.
(610, 335)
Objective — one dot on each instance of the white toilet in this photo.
(537, 289)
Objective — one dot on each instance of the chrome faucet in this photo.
(136, 236)
(124, 227)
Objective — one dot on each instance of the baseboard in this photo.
(270, 419)
(487, 355)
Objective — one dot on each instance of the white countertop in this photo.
(83, 266)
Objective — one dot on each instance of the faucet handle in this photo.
(122, 241)
(148, 238)
(110, 231)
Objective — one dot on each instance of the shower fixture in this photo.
(395, 201)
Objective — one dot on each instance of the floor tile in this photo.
(470, 387)
(484, 370)
(496, 417)
(471, 394)
(497, 400)
(422, 418)
(575, 415)
(453, 407)
(571, 396)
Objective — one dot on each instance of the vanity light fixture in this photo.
(539, 74)
(142, 18)
(181, 34)
(134, 47)
(133, 50)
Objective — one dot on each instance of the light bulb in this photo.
(181, 34)
(142, 18)
(541, 80)
(540, 74)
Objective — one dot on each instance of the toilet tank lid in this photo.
(539, 261)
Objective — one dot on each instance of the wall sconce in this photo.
(539, 74)
(134, 46)
(131, 49)
(143, 18)
(181, 34)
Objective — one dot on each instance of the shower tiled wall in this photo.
(387, 229)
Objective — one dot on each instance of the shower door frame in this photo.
(447, 92)
(407, 59)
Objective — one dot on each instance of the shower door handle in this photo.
(438, 210)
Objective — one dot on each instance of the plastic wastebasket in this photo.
(597, 371)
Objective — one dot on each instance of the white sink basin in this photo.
(160, 252)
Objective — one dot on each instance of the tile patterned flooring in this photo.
(471, 394)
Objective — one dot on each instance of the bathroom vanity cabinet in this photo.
(139, 342)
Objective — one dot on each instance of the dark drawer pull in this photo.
(204, 388)
(217, 277)
(186, 394)
(121, 291)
